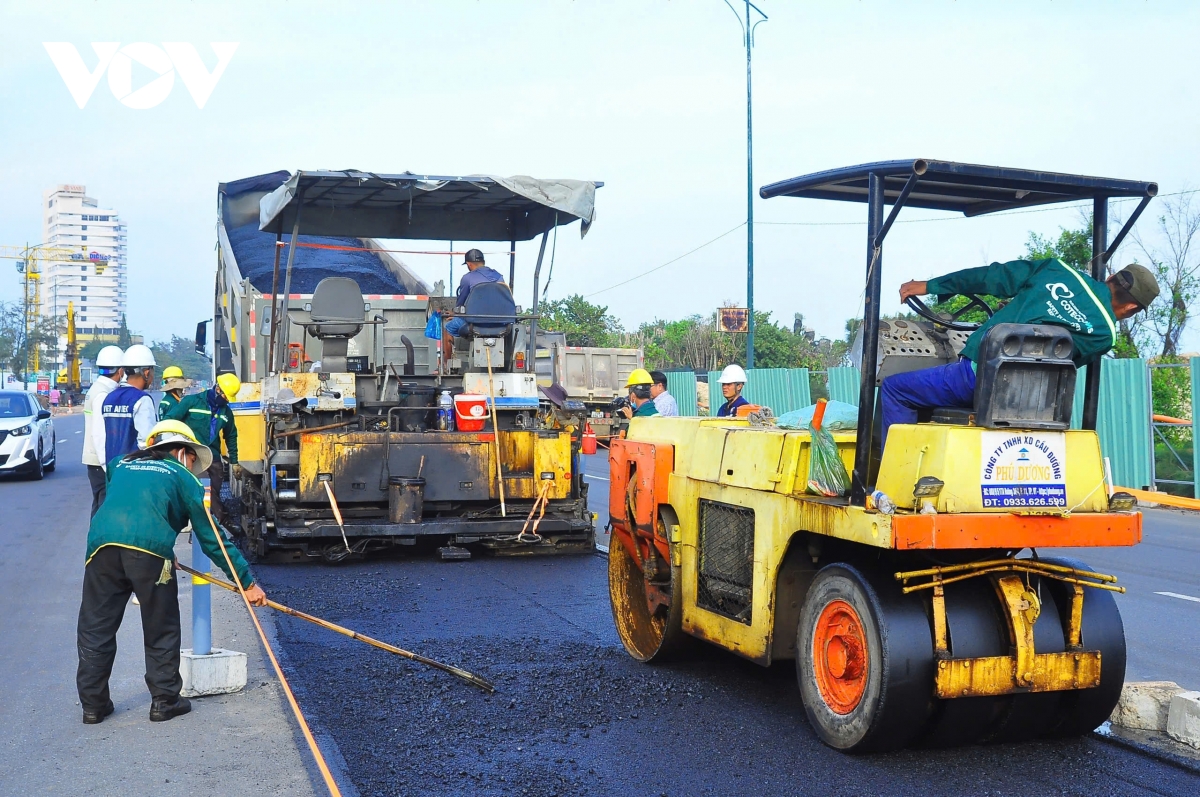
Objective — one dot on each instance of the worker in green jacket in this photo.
(152, 495)
(1042, 292)
(173, 384)
(209, 417)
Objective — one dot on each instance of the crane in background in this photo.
(29, 263)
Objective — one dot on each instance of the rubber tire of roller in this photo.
(895, 704)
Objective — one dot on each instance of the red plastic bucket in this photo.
(470, 412)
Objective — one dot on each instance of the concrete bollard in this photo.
(1145, 705)
(1183, 724)
(218, 673)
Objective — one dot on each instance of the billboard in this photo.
(733, 319)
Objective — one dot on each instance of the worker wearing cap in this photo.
(477, 273)
(108, 364)
(1042, 292)
(174, 384)
(209, 417)
(128, 412)
(732, 382)
(640, 403)
(662, 398)
(153, 495)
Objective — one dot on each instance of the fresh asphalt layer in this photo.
(574, 714)
(239, 744)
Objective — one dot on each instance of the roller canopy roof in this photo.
(426, 207)
(964, 187)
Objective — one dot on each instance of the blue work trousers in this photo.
(902, 395)
(455, 326)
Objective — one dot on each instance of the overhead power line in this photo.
(844, 224)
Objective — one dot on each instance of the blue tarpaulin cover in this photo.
(255, 253)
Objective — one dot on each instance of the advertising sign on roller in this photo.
(1023, 469)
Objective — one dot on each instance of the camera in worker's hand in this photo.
(618, 404)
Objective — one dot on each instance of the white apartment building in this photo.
(95, 279)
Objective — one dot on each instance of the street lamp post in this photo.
(748, 40)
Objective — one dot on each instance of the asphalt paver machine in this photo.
(938, 623)
(359, 427)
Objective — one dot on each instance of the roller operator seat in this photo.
(490, 311)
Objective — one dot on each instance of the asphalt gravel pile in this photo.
(574, 715)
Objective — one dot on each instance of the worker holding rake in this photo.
(152, 496)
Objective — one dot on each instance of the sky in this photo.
(648, 96)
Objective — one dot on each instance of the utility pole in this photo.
(748, 40)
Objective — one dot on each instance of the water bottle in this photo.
(445, 415)
(880, 502)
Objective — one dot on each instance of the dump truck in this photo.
(593, 375)
(934, 622)
(358, 431)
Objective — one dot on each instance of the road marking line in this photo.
(79, 433)
(1181, 597)
(590, 476)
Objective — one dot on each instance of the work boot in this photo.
(163, 710)
(96, 716)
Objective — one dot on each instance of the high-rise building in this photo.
(95, 279)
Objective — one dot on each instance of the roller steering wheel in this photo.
(976, 303)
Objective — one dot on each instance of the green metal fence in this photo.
(844, 383)
(1195, 364)
(682, 385)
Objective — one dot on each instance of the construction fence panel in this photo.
(1122, 419)
(844, 384)
(682, 385)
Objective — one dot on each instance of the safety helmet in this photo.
(230, 385)
(109, 357)
(172, 372)
(170, 434)
(138, 356)
(640, 376)
(733, 374)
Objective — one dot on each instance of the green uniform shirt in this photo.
(646, 410)
(1042, 292)
(165, 406)
(193, 410)
(149, 503)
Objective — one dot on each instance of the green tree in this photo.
(181, 351)
(584, 323)
(124, 337)
(1177, 267)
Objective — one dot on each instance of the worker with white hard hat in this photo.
(128, 412)
(108, 364)
(209, 417)
(153, 494)
(732, 382)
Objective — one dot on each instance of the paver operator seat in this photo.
(334, 315)
(490, 311)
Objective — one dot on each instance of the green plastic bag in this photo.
(826, 472)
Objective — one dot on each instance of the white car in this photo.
(27, 443)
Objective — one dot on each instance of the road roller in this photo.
(932, 604)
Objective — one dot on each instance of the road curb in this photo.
(1156, 746)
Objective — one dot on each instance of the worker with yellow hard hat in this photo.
(153, 494)
(174, 384)
(640, 403)
(210, 418)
